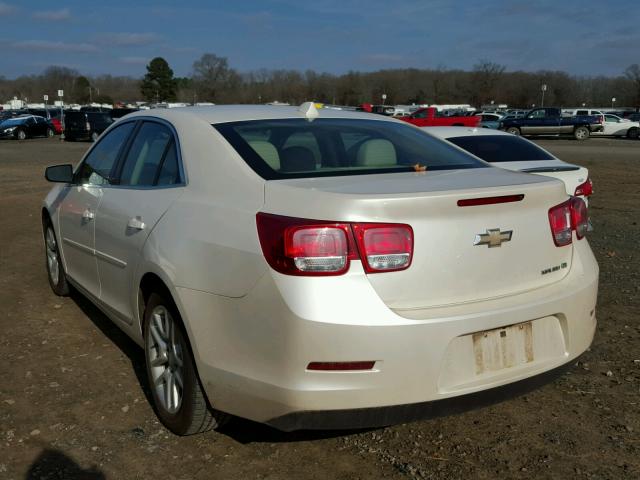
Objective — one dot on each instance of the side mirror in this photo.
(59, 173)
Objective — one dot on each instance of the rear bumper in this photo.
(384, 416)
(252, 352)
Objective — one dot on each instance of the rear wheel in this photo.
(55, 270)
(633, 133)
(50, 132)
(21, 134)
(581, 133)
(94, 136)
(178, 397)
(513, 131)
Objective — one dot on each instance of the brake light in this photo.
(384, 247)
(567, 217)
(297, 246)
(87, 126)
(585, 189)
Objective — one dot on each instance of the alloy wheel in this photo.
(165, 352)
(53, 261)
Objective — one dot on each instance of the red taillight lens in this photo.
(579, 217)
(298, 246)
(317, 248)
(384, 247)
(567, 217)
(585, 189)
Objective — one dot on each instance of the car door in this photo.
(534, 123)
(41, 127)
(79, 204)
(150, 180)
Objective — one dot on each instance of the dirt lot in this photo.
(72, 405)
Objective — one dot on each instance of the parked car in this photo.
(319, 269)
(85, 125)
(117, 113)
(489, 120)
(614, 126)
(550, 121)
(21, 128)
(431, 117)
(515, 153)
(584, 111)
(53, 115)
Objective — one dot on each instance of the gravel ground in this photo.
(72, 405)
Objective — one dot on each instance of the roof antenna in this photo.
(310, 111)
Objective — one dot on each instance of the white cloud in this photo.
(48, 46)
(53, 15)
(128, 39)
(6, 9)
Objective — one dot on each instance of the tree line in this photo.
(213, 80)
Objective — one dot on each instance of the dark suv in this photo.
(85, 125)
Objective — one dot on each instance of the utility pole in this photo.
(543, 88)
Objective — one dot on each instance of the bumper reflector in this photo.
(341, 366)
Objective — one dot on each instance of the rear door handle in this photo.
(136, 223)
(88, 215)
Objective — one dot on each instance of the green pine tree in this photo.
(158, 85)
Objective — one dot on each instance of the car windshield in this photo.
(501, 148)
(297, 148)
(13, 122)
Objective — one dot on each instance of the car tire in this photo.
(55, 269)
(633, 133)
(514, 131)
(183, 409)
(21, 134)
(50, 132)
(94, 136)
(581, 133)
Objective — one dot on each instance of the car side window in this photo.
(97, 167)
(145, 157)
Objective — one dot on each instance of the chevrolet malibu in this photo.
(319, 269)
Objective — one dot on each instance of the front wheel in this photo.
(55, 269)
(50, 132)
(178, 397)
(581, 133)
(514, 131)
(94, 136)
(21, 134)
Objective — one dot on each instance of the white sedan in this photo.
(512, 152)
(319, 269)
(614, 126)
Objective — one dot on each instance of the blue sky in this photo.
(590, 37)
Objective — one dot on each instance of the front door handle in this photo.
(136, 223)
(88, 215)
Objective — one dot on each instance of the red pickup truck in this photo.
(431, 117)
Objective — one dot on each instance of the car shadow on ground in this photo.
(54, 464)
(238, 429)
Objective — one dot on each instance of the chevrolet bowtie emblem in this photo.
(493, 238)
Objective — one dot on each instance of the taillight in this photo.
(384, 247)
(585, 189)
(297, 246)
(579, 217)
(567, 217)
(87, 126)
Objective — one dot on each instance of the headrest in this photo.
(267, 152)
(377, 153)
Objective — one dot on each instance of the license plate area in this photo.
(503, 347)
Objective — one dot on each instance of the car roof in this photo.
(238, 113)
(451, 132)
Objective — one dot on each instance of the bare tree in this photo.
(633, 74)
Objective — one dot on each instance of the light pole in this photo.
(384, 98)
(543, 88)
(613, 102)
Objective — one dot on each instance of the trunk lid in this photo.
(447, 267)
(571, 175)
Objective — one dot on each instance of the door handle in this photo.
(136, 223)
(88, 215)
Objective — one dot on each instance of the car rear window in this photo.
(298, 148)
(501, 148)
